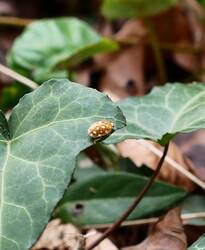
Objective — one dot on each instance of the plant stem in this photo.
(14, 21)
(184, 217)
(182, 169)
(170, 46)
(133, 205)
(157, 51)
(16, 76)
(183, 48)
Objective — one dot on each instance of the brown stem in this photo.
(133, 205)
(183, 48)
(14, 21)
(153, 39)
(16, 76)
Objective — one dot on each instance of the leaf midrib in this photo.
(123, 197)
(53, 123)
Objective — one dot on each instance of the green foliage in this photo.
(48, 129)
(202, 2)
(49, 46)
(103, 197)
(10, 95)
(199, 244)
(165, 112)
(47, 49)
(135, 8)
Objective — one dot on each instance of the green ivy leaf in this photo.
(135, 8)
(48, 130)
(199, 244)
(102, 198)
(165, 112)
(47, 48)
(51, 43)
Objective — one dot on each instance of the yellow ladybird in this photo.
(100, 129)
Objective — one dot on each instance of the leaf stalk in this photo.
(137, 200)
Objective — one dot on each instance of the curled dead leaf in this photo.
(167, 234)
(193, 145)
(132, 32)
(106, 244)
(60, 236)
(141, 155)
(123, 71)
(189, 60)
(180, 35)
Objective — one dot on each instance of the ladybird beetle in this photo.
(100, 129)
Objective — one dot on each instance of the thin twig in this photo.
(183, 48)
(16, 76)
(14, 21)
(184, 217)
(172, 163)
(157, 52)
(133, 205)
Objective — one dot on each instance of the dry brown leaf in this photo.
(60, 236)
(179, 31)
(191, 61)
(193, 146)
(123, 71)
(83, 75)
(197, 14)
(7, 8)
(188, 61)
(174, 30)
(104, 245)
(132, 32)
(141, 155)
(167, 234)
